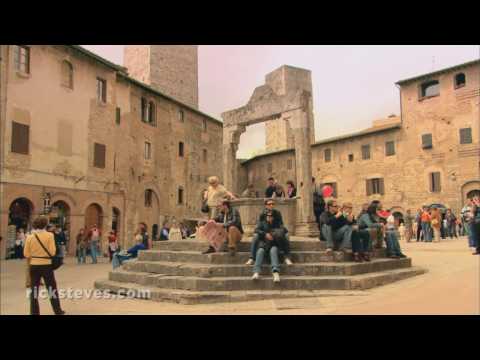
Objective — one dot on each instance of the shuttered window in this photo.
(350, 157)
(289, 164)
(22, 58)
(435, 185)
(117, 116)
(390, 148)
(427, 141)
(180, 195)
(328, 155)
(99, 155)
(375, 186)
(102, 90)
(365, 152)
(20, 138)
(466, 136)
(180, 149)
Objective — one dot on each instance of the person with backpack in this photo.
(39, 248)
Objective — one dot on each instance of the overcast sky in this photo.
(352, 85)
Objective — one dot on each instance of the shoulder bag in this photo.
(57, 261)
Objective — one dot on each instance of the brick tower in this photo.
(170, 69)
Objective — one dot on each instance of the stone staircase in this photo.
(176, 271)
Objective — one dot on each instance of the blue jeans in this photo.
(93, 251)
(118, 259)
(285, 247)
(393, 246)
(81, 255)
(427, 234)
(273, 259)
(471, 234)
(342, 235)
(361, 241)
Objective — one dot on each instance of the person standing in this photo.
(426, 227)
(214, 195)
(61, 240)
(271, 187)
(175, 232)
(436, 223)
(318, 203)
(451, 223)
(467, 219)
(279, 192)
(418, 221)
(94, 241)
(291, 189)
(19, 244)
(39, 248)
(409, 219)
(112, 244)
(164, 232)
(81, 247)
(475, 224)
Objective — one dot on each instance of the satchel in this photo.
(57, 261)
(205, 208)
(434, 222)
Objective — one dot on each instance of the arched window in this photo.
(67, 74)
(460, 80)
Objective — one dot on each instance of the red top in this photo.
(112, 238)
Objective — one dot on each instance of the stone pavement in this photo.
(451, 286)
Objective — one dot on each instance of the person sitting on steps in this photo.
(284, 242)
(336, 228)
(269, 237)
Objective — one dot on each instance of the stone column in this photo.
(231, 139)
(299, 122)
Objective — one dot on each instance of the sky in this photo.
(352, 85)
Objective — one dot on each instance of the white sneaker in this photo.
(288, 261)
(276, 277)
(255, 276)
(250, 262)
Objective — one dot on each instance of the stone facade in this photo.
(170, 69)
(64, 125)
(406, 174)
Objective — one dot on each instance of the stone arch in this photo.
(470, 188)
(20, 213)
(94, 215)
(61, 196)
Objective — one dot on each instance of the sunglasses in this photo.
(270, 204)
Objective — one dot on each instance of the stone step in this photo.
(354, 282)
(208, 297)
(236, 270)
(296, 244)
(242, 257)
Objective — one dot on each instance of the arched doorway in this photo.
(473, 193)
(20, 213)
(116, 221)
(60, 215)
(93, 216)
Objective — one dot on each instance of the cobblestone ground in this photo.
(451, 286)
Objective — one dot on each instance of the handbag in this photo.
(57, 261)
(205, 208)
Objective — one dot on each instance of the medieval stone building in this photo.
(428, 155)
(88, 144)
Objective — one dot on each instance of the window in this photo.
(289, 164)
(435, 182)
(148, 198)
(205, 155)
(333, 185)
(466, 136)
(204, 124)
(460, 80)
(67, 74)
(365, 152)
(20, 138)
(328, 155)
(101, 90)
(180, 195)
(181, 116)
(390, 148)
(269, 167)
(144, 107)
(151, 113)
(350, 157)
(22, 58)
(117, 116)
(429, 89)
(375, 186)
(148, 150)
(99, 151)
(427, 141)
(180, 149)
